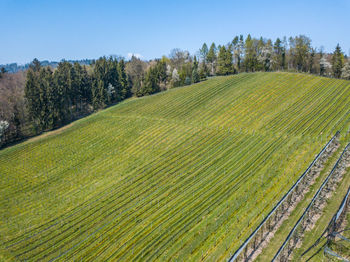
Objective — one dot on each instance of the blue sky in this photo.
(53, 30)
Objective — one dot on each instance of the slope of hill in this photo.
(184, 174)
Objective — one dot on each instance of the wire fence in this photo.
(243, 247)
(343, 205)
(332, 253)
(331, 227)
(301, 221)
(335, 224)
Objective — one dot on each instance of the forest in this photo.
(43, 98)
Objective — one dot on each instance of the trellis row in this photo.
(313, 208)
(338, 218)
(252, 243)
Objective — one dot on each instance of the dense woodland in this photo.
(14, 67)
(44, 98)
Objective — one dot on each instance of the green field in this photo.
(182, 175)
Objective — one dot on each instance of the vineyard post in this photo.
(289, 199)
(288, 247)
(245, 253)
(262, 233)
(254, 243)
(307, 216)
(275, 218)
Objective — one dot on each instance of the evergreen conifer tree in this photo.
(32, 96)
(211, 58)
(123, 80)
(195, 74)
(337, 62)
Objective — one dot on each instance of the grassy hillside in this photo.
(183, 175)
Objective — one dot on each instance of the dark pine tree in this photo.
(337, 61)
(225, 65)
(195, 74)
(150, 85)
(32, 96)
(63, 83)
(125, 89)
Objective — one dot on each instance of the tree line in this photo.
(52, 97)
(14, 67)
(252, 54)
(294, 54)
(55, 98)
